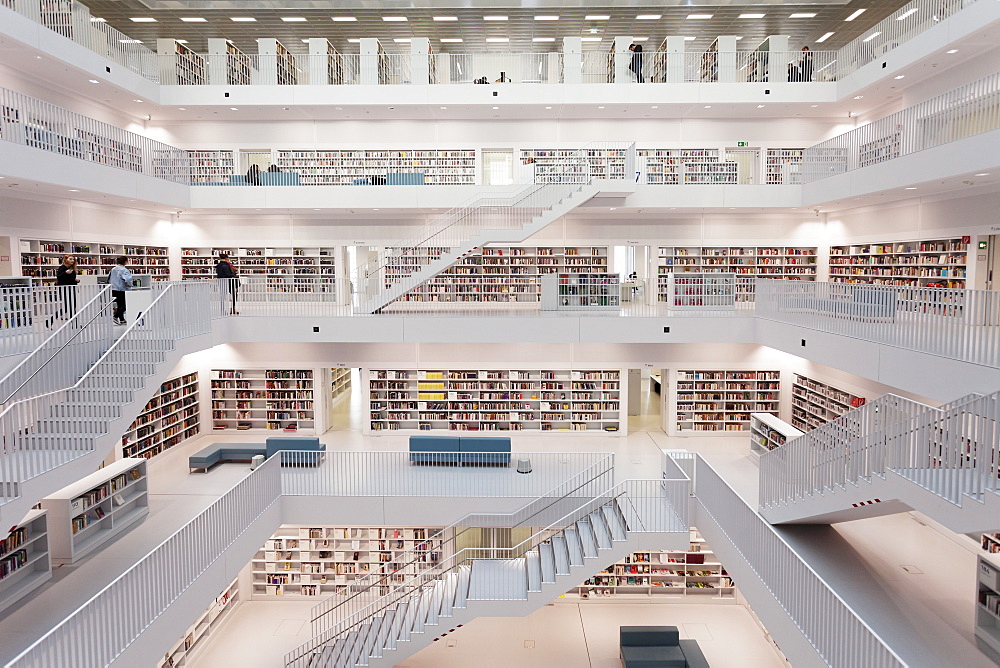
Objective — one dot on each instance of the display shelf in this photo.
(787, 262)
(880, 150)
(24, 558)
(604, 163)
(783, 166)
(286, 269)
(358, 167)
(693, 572)
(494, 400)
(92, 511)
(767, 432)
(988, 602)
(939, 263)
(171, 417)
(711, 173)
(208, 167)
(340, 383)
(581, 292)
(666, 166)
(815, 403)
(41, 258)
(715, 400)
(268, 399)
(325, 560)
(701, 292)
(208, 622)
(494, 273)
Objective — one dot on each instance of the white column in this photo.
(777, 61)
(217, 50)
(572, 60)
(420, 61)
(368, 74)
(675, 58)
(727, 58)
(165, 52)
(319, 70)
(267, 62)
(623, 60)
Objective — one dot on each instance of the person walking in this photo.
(636, 64)
(120, 279)
(226, 271)
(66, 281)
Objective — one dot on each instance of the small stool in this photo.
(256, 461)
(524, 466)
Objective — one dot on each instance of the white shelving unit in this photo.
(778, 168)
(297, 269)
(607, 163)
(581, 292)
(263, 399)
(815, 403)
(314, 560)
(208, 622)
(41, 258)
(787, 262)
(931, 262)
(92, 511)
(701, 292)
(208, 167)
(991, 542)
(988, 602)
(17, 310)
(357, 167)
(494, 399)
(665, 166)
(340, 383)
(657, 573)
(767, 432)
(716, 400)
(171, 417)
(24, 559)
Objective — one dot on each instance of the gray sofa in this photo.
(244, 452)
(658, 647)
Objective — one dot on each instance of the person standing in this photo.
(225, 270)
(120, 280)
(66, 281)
(806, 65)
(636, 64)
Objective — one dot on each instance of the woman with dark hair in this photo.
(636, 65)
(253, 175)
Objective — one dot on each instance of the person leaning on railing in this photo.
(226, 271)
(66, 281)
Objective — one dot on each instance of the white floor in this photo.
(939, 599)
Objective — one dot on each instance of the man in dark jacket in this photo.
(225, 270)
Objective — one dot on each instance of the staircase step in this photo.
(533, 564)
(406, 621)
(399, 614)
(328, 655)
(359, 644)
(420, 611)
(615, 521)
(368, 646)
(587, 538)
(547, 554)
(382, 638)
(448, 594)
(574, 545)
(462, 590)
(561, 552)
(434, 606)
(601, 531)
(345, 655)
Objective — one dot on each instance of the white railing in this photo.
(949, 322)
(32, 313)
(137, 597)
(31, 122)
(85, 333)
(964, 112)
(836, 632)
(488, 68)
(46, 431)
(750, 66)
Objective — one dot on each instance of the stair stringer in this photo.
(535, 600)
(484, 237)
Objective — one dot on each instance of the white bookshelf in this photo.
(710, 401)
(767, 432)
(787, 262)
(357, 167)
(494, 273)
(930, 262)
(208, 623)
(491, 400)
(296, 269)
(92, 511)
(263, 399)
(311, 561)
(340, 383)
(711, 173)
(208, 167)
(695, 572)
(171, 417)
(666, 166)
(287, 73)
(988, 601)
(17, 310)
(606, 163)
(777, 162)
(40, 258)
(815, 403)
(581, 292)
(24, 558)
(701, 292)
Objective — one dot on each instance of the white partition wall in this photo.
(623, 60)
(420, 60)
(572, 60)
(777, 66)
(371, 57)
(675, 45)
(727, 58)
(319, 71)
(217, 54)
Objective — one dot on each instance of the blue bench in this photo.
(267, 179)
(245, 452)
(460, 450)
(658, 647)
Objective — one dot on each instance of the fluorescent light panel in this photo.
(445, 18)
(752, 16)
(401, 40)
(142, 19)
(194, 19)
(902, 16)
(451, 40)
(497, 40)
(494, 18)
(699, 17)
(856, 14)
(243, 19)
(596, 17)
(824, 37)
(294, 19)
(94, 19)
(639, 39)
(543, 39)
(871, 37)
(547, 18)
(649, 17)
(590, 39)
(802, 15)
(394, 19)
(343, 19)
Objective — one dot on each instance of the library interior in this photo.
(551, 334)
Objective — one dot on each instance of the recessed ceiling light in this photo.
(243, 19)
(708, 106)
(93, 81)
(543, 39)
(445, 18)
(690, 39)
(353, 40)
(600, 107)
(444, 107)
(137, 100)
(72, 190)
(498, 40)
(952, 51)
(871, 37)
(856, 14)
(590, 39)
(315, 209)
(813, 105)
(596, 17)
(760, 106)
(394, 19)
(94, 19)
(375, 209)
(902, 16)
(699, 17)
(547, 18)
(911, 188)
(649, 17)
(858, 97)
(142, 19)
(343, 19)
(294, 19)
(899, 76)
(612, 208)
(494, 18)
(751, 16)
(451, 40)
(181, 108)
(401, 40)
(654, 107)
(233, 109)
(194, 19)
(825, 37)
(983, 174)
(496, 107)
(802, 15)
(639, 39)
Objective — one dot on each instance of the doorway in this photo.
(645, 399)
(498, 167)
(992, 273)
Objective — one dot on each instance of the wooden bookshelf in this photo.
(815, 403)
(711, 401)
(171, 417)
(494, 399)
(694, 572)
(358, 167)
(767, 432)
(308, 561)
(788, 262)
(205, 625)
(263, 399)
(41, 258)
(581, 292)
(84, 516)
(210, 167)
(783, 166)
(25, 564)
(926, 263)
(494, 273)
(296, 269)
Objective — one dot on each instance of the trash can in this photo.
(256, 461)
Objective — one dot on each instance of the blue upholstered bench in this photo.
(244, 452)
(462, 450)
(658, 647)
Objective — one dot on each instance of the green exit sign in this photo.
(741, 144)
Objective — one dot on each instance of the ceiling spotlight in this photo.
(548, 107)
(495, 108)
(600, 107)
